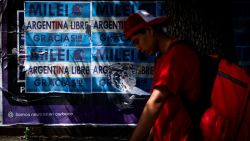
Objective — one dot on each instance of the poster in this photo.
(76, 67)
(58, 47)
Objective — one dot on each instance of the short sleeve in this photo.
(169, 72)
(178, 70)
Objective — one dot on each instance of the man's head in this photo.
(140, 28)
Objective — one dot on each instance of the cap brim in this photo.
(163, 20)
(134, 29)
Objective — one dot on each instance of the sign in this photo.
(76, 66)
(56, 42)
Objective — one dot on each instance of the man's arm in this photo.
(150, 113)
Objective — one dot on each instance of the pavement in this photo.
(62, 138)
(79, 133)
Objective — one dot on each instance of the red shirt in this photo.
(179, 71)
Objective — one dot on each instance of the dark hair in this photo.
(158, 29)
(140, 31)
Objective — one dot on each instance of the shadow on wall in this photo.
(205, 23)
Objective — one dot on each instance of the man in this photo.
(170, 111)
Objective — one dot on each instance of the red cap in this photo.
(141, 19)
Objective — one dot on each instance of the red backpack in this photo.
(228, 117)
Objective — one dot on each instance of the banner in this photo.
(76, 67)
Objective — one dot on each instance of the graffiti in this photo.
(122, 76)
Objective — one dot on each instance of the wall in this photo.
(241, 26)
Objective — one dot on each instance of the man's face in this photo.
(144, 42)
